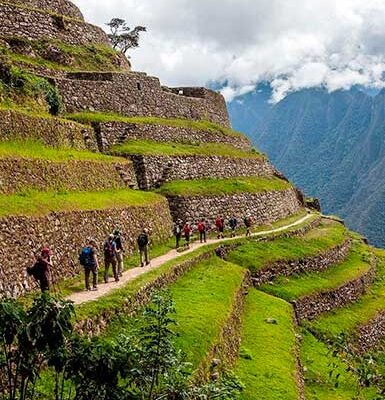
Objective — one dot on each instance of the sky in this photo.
(294, 44)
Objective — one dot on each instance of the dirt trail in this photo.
(104, 289)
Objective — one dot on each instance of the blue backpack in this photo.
(86, 257)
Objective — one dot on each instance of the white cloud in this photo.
(292, 43)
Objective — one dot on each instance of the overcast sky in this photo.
(292, 43)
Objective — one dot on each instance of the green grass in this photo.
(150, 147)
(41, 203)
(255, 255)
(266, 365)
(346, 320)
(318, 363)
(88, 117)
(295, 287)
(215, 187)
(37, 150)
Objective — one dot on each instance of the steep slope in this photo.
(332, 146)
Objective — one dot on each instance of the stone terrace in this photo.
(62, 7)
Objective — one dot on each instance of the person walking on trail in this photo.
(187, 234)
(119, 251)
(89, 261)
(220, 225)
(248, 221)
(202, 231)
(143, 245)
(110, 252)
(178, 229)
(41, 270)
(233, 223)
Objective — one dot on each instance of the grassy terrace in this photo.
(215, 187)
(88, 117)
(37, 150)
(347, 319)
(42, 203)
(255, 255)
(295, 287)
(267, 365)
(150, 147)
(318, 363)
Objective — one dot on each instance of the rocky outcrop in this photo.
(309, 307)
(65, 233)
(113, 133)
(319, 262)
(54, 132)
(136, 94)
(34, 24)
(20, 174)
(152, 171)
(265, 207)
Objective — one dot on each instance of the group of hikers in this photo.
(113, 250)
(202, 227)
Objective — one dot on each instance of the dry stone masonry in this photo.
(136, 94)
(19, 174)
(265, 207)
(33, 24)
(62, 7)
(113, 133)
(65, 233)
(152, 171)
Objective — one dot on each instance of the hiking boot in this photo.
(148, 263)
(141, 265)
(94, 289)
(116, 279)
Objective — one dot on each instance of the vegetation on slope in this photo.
(267, 365)
(295, 287)
(41, 203)
(34, 149)
(217, 187)
(89, 117)
(150, 147)
(346, 320)
(255, 255)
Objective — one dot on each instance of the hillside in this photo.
(291, 307)
(332, 146)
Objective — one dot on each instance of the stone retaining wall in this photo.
(370, 335)
(152, 171)
(319, 263)
(52, 131)
(309, 307)
(265, 207)
(19, 174)
(65, 233)
(63, 7)
(33, 24)
(136, 94)
(112, 133)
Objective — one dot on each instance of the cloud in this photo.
(293, 44)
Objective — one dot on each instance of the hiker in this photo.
(89, 261)
(119, 251)
(202, 230)
(187, 234)
(220, 225)
(110, 258)
(143, 243)
(178, 228)
(40, 271)
(233, 223)
(248, 221)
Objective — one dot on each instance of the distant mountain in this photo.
(332, 145)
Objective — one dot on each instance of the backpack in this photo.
(85, 257)
(177, 229)
(186, 230)
(109, 250)
(142, 240)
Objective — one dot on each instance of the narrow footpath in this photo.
(104, 289)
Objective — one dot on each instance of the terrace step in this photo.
(315, 293)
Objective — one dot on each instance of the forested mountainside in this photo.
(332, 146)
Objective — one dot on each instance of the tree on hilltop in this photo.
(122, 37)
